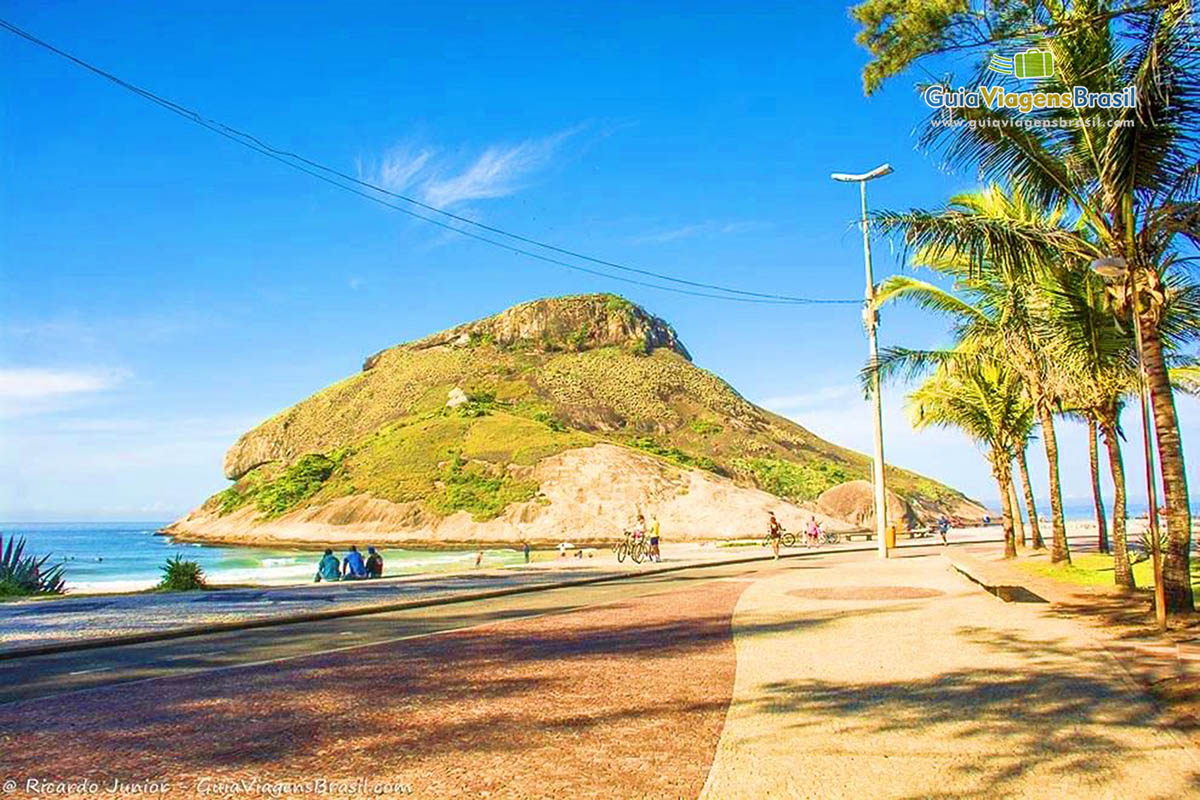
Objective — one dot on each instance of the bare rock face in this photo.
(854, 502)
(581, 322)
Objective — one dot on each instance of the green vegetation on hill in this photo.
(539, 379)
(795, 481)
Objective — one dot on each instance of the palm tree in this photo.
(1095, 354)
(1132, 175)
(985, 399)
(996, 302)
(1030, 506)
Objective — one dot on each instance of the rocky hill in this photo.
(558, 418)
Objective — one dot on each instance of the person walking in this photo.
(814, 532)
(775, 533)
(525, 549)
(478, 559)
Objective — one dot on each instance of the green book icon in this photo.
(1033, 64)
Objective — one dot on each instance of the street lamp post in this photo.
(1113, 269)
(871, 322)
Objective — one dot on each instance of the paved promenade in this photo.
(903, 679)
(838, 676)
(27, 623)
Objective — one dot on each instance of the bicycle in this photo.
(635, 549)
(787, 539)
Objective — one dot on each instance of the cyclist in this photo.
(775, 533)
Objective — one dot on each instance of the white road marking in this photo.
(88, 671)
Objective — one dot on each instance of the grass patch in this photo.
(1096, 569)
(481, 489)
(705, 427)
(675, 455)
(298, 482)
(793, 480)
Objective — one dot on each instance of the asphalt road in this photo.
(57, 674)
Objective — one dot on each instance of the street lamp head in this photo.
(1110, 268)
(878, 172)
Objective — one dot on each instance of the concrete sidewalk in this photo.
(904, 679)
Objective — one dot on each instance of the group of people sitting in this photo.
(351, 568)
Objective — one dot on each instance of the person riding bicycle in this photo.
(774, 533)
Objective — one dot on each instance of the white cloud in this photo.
(710, 228)
(499, 171)
(32, 384)
(400, 168)
(814, 399)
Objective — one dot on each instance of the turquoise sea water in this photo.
(119, 556)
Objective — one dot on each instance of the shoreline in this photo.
(544, 553)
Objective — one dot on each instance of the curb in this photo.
(98, 642)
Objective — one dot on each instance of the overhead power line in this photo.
(356, 185)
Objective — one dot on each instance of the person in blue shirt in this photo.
(327, 569)
(353, 566)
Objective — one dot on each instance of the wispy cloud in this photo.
(32, 384)
(400, 167)
(499, 170)
(820, 398)
(698, 229)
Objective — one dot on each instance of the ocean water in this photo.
(126, 556)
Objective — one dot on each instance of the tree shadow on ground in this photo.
(594, 686)
(1048, 718)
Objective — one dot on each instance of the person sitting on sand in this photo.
(353, 567)
(374, 563)
(327, 569)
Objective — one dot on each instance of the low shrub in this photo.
(22, 574)
(181, 576)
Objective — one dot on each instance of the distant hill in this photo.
(558, 418)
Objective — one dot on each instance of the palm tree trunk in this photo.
(1177, 582)
(1030, 505)
(1006, 513)
(1097, 499)
(1058, 545)
(1018, 526)
(1122, 571)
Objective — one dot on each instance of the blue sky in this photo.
(164, 289)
